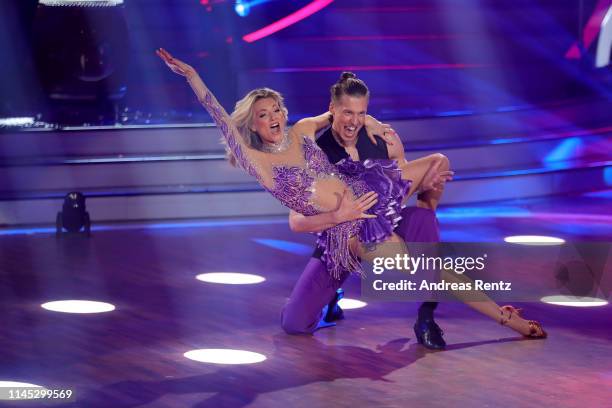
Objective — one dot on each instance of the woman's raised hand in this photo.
(384, 130)
(177, 66)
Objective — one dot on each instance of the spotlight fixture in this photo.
(81, 3)
(82, 54)
(242, 8)
(74, 216)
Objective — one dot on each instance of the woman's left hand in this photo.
(177, 66)
(383, 130)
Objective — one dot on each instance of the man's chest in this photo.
(352, 152)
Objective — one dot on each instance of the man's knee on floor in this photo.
(293, 323)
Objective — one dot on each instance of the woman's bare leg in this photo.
(422, 172)
(480, 301)
(477, 300)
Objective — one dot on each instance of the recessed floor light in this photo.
(534, 240)
(78, 306)
(225, 356)
(5, 395)
(346, 303)
(575, 301)
(230, 278)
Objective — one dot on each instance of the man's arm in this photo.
(312, 223)
(310, 126)
(396, 149)
(348, 210)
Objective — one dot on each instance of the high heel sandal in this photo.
(535, 328)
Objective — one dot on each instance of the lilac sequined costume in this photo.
(293, 188)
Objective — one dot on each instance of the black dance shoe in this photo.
(334, 311)
(429, 334)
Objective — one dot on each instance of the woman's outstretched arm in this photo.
(232, 136)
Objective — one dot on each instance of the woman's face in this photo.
(268, 120)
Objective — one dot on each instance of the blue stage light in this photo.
(456, 113)
(608, 175)
(566, 150)
(242, 8)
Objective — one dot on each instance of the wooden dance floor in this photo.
(133, 356)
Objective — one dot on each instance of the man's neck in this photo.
(342, 142)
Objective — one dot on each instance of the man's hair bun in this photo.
(349, 85)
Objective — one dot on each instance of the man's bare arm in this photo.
(348, 209)
(310, 126)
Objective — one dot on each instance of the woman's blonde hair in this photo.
(242, 117)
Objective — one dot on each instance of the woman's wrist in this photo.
(190, 74)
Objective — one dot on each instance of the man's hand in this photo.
(350, 209)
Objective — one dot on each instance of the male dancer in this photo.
(316, 289)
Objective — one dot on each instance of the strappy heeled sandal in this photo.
(535, 328)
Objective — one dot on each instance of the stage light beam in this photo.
(287, 21)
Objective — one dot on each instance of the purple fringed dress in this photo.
(293, 188)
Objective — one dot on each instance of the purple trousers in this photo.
(316, 288)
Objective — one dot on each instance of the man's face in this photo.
(349, 117)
